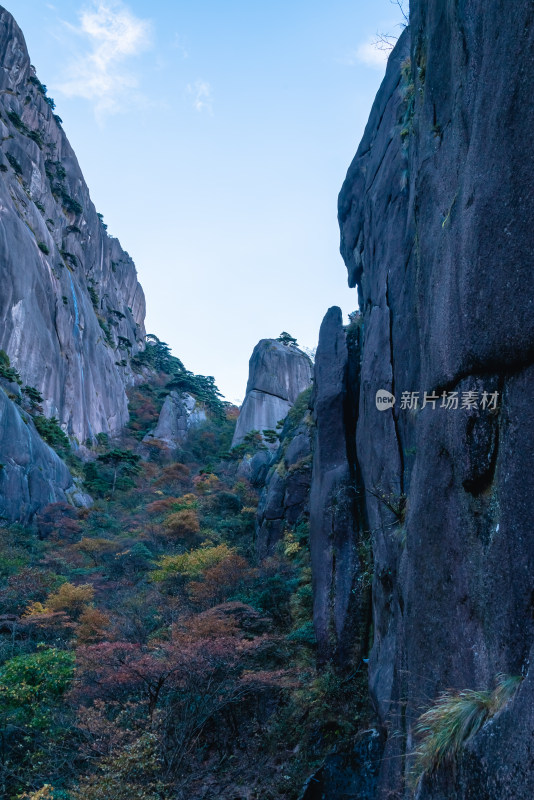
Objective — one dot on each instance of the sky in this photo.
(214, 138)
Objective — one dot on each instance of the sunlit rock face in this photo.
(71, 308)
(278, 373)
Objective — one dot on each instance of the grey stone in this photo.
(49, 326)
(435, 217)
(277, 375)
(31, 475)
(180, 414)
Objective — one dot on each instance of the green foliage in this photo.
(43, 247)
(51, 432)
(287, 339)
(107, 332)
(200, 386)
(252, 443)
(270, 436)
(7, 371)
(30, 685)
(132, 773)
(95, 300)
(37, 137)
(14, 118)
(71, 205)
(101, 218)
(33, 394)
(453, 720)
(112, 471)
(17, 169)
(157, 355)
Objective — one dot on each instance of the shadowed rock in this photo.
(435, 218)
(31, 474)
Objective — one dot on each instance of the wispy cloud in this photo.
(372, 53)
(180, 45)
(202, 95)
(113, 35)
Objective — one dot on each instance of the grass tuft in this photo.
(453, 720)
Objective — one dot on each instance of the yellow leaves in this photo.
(46, 793)
(191, 564)
(291, 546)
(206, 482)
(70, 598)
(34, 610)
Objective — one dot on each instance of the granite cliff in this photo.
(435, 232)
(71, 309)
(278, 373)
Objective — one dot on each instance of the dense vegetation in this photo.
(145, 651)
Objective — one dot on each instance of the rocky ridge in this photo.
(72, 310)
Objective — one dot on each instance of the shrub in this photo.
(29, 684)
(191, 564)
(453, 720)
(70, 598)
(7, 371)
(95, 300)
(182, 524)
(17, 169)
(50, 431)
(44, 248)
(15, 120)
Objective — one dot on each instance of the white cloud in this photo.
(373, 53)
(113, 35)
(180, 45)
(202, 94)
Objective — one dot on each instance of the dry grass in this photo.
(453, 720)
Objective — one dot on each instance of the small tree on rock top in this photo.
(287, 339)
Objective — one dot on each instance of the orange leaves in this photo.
(173, 474)
(182, 524)
(220, 580)
(206, 483)
(162, 506)
(92, 626)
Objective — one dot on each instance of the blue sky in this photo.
(214, 138)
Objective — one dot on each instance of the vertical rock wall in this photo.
(71, 309)
(435, 232)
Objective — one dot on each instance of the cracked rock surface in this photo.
(435, 217)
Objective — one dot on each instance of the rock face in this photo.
(336, 527)
(179, 414)
(31, 474)
(277, 375)
(435, 232)
(285, 499)
(348, 775)
(71, 309)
